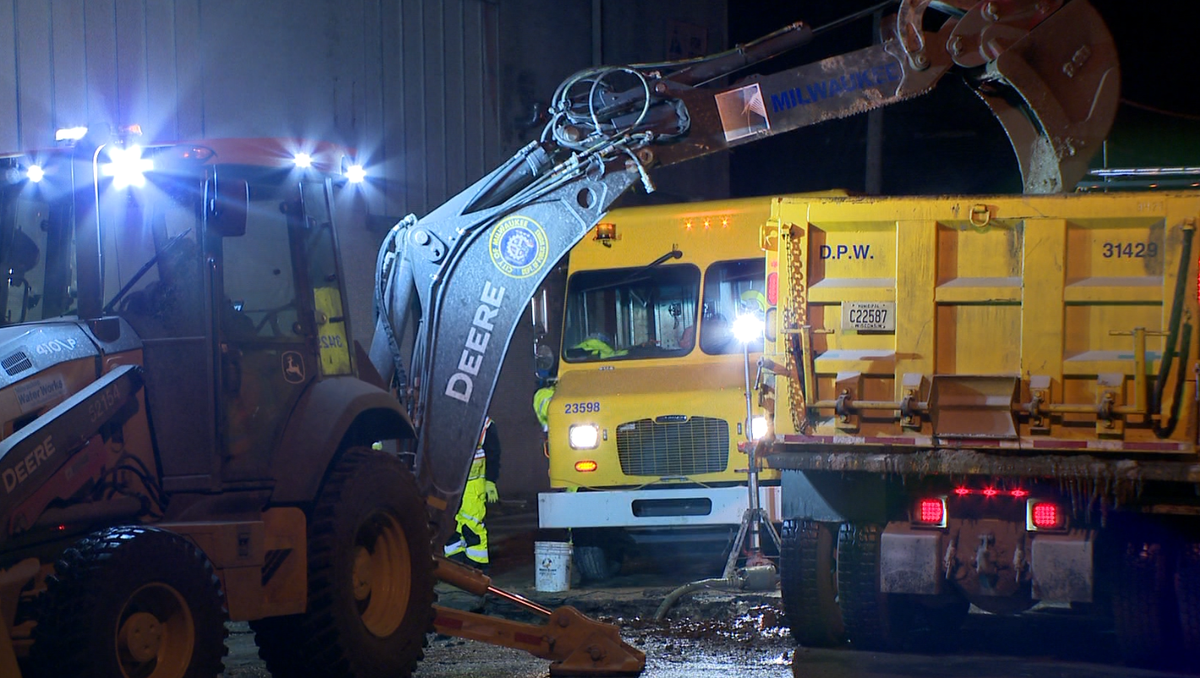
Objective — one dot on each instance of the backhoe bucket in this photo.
(575, 644)
(1066, 74)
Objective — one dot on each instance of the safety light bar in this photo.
(70, 133)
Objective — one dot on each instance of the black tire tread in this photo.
(595, 564)
(1187, 592)
(1145, 614)
(864, 608)
(66, 639)
(309, 644)
(812, 621)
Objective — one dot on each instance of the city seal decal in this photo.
(518, 246)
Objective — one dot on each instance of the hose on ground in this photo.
(733, 581)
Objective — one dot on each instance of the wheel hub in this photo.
(141, 636)
(362, 574)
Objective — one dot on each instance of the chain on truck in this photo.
(189, 425)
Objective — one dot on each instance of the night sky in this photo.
(947, 141)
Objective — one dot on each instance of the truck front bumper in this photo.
(652, 508)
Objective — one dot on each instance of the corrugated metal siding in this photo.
(411, 83)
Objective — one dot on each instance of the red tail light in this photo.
(1045, 515)
(931, 512)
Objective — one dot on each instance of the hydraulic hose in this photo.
(1164, 370)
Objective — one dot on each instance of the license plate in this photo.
(869, 316)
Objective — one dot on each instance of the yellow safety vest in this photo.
(473, 509)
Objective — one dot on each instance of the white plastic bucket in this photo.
(552, 566)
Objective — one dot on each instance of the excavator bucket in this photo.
(1067, 82)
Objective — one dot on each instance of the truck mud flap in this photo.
(36, 452)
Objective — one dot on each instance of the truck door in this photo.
(267, 324)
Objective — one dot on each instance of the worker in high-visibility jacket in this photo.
(541, 404)
(470, 538)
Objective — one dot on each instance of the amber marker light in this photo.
(585, 466)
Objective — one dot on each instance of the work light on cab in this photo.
(35, 173)
(356, 174)
(584, 436)
(126, 166)
(302, 160)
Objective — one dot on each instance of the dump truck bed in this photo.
(970, 330)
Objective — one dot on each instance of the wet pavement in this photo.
(712, 633)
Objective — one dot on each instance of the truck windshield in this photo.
(36, 264)
(731, 289)
(630, 313)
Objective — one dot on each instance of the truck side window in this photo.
(731, 289)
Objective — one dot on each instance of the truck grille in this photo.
(673, 448)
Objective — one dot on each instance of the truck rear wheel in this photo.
(1145, 613)
(866, 611)
(370, 578)
(1187, 591)
(131, 602)
(808, 583)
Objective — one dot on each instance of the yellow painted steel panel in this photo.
(1068, 293)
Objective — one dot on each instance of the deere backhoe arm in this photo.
(458, 280)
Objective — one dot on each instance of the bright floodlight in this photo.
(758, 427)
(303, 160)
(35, 173)
(356, 174)
(747, 328)
(70, 133)
(127, 167)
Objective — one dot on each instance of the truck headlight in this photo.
(583, 436)
(758, 427)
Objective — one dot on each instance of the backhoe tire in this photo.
(131, 602)
(596, 564)
(808, 583)
(370, 578)
(1145, 613)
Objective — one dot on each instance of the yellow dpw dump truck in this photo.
(987, 401)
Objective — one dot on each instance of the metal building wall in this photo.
(433, 93)
(411, 83)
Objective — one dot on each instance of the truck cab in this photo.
(650, 402)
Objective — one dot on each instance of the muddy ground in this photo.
(719, 634)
